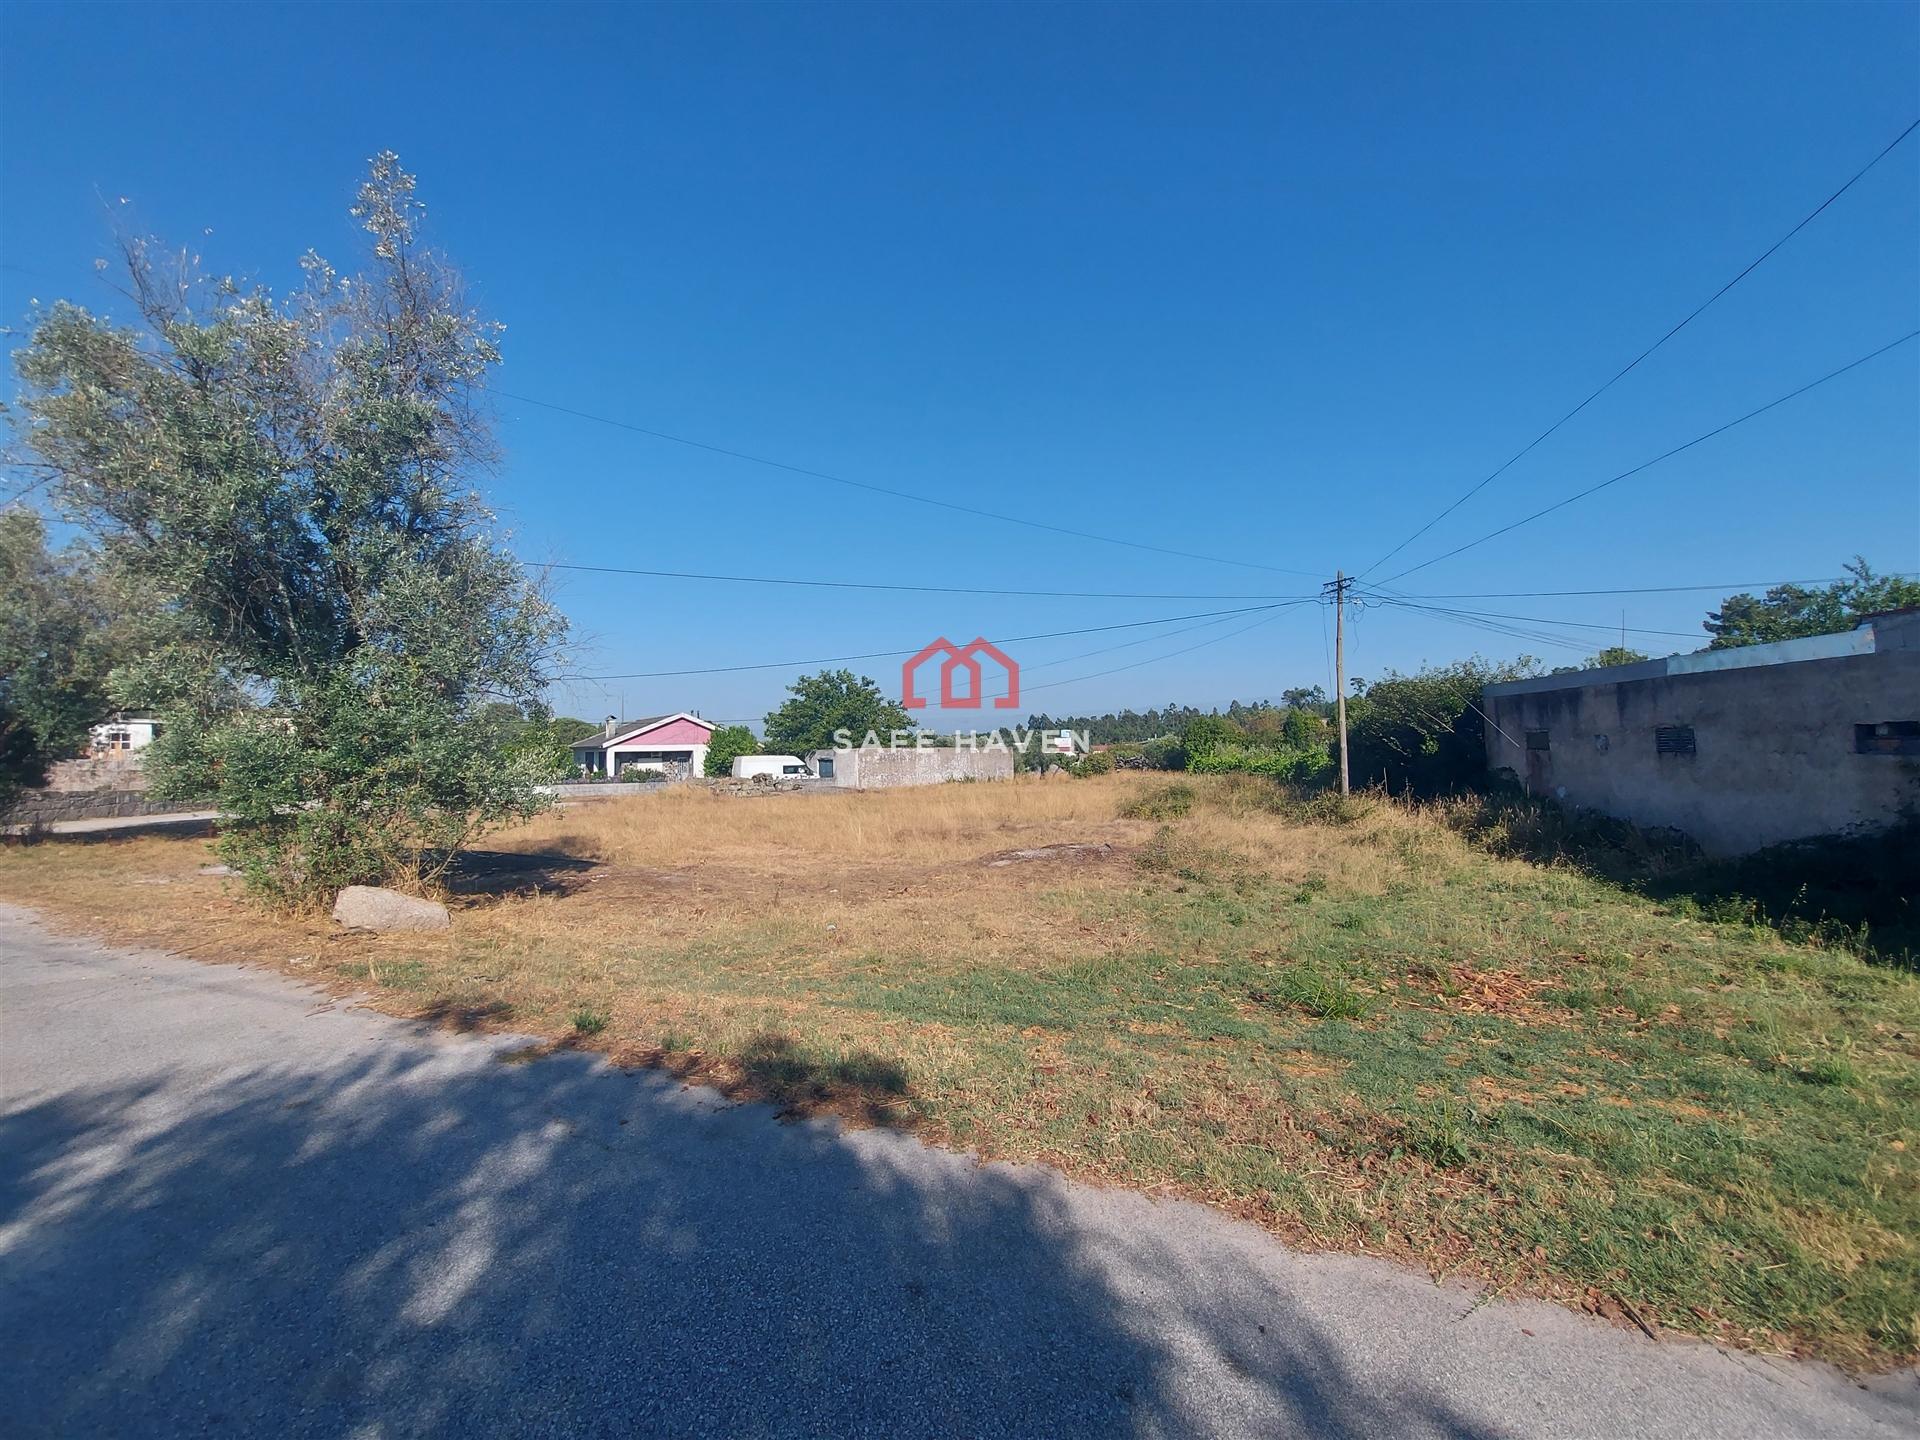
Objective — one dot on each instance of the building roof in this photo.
(1858, 641)
(625, 730)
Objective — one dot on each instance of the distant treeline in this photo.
(1132, 726)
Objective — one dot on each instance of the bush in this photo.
(1099, 762)
(725, 746)
(1297, 766)
(1423, 734)
(1206, 733)
(642, 775)
(1167, 803)
(1164, 753)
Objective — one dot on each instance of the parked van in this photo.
(749, 767)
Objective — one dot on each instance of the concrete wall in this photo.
(111, 772)
(884, 769)
(49, 807)
(1774, 754)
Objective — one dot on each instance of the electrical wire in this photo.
(897, 654)
(1488, 624)
(1729, 587)
(1609, 627)
(907, 589)
(1634, 363)
(896, 494)
(1665, 455)
(1170, 655)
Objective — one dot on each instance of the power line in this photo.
(1728, 587)
(909, 589)
(1631, 365)
(896, 654)
(1609, 627)
(1496, 627)
(896, 494)
(1170, 655)
(1125, 645)
(1666, 455)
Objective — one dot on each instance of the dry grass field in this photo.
(1340, 1021)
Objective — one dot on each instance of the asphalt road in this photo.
(231, 1206)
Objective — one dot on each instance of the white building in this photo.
(674, 744)
(122, 735)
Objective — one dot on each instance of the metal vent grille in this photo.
(1673, 739)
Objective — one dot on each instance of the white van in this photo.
(749, 767)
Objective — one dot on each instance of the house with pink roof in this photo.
(673, 744)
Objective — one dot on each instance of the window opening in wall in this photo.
(1538, 740)
(1673, 740)
(1887, 737)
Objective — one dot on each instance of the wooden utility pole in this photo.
(1339, 588)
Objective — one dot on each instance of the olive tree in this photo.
(62, 628)
(291, 478)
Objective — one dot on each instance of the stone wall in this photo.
(770, 785)
(50, 807)
(110, 772)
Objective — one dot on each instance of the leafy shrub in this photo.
(1168, 803)
(1301, 729)
(1164, 753)
(1098, 762)
(1299, 766)
(1424, 734)
(1206, 733)
(725, 746)
(642, 775)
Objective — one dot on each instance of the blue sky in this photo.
(1273, 284)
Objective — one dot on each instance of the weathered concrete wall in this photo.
(883, 769)
(112, 772)
(1773, 756)
(48, 807)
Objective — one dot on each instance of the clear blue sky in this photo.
(1271, 283)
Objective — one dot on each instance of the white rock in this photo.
(368, 907)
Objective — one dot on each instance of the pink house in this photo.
(676, 744)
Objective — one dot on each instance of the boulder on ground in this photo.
(368, 907)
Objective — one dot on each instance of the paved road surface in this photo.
(228, 1206)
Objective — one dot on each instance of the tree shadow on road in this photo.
(426, 1242)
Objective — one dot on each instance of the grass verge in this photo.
(1341, 1020)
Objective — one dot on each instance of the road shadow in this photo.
(420, 1243)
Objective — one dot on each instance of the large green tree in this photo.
(1790, 612)
(1425, 734)
(726, 745)
(62, 630)
(818, 705)
(293, 479)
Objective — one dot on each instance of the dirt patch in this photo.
(1493, 992)
(1075, 853)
